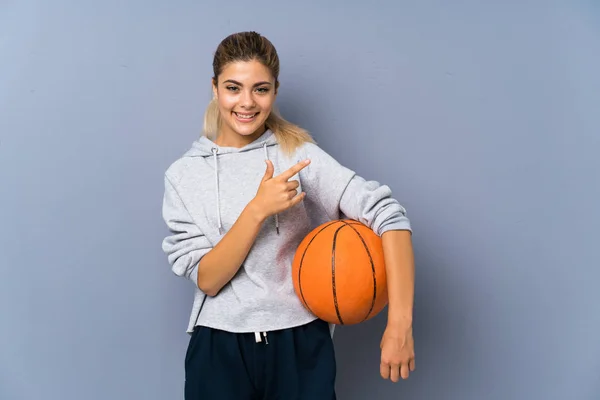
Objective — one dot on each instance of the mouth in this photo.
(245, 117)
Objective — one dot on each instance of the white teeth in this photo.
(245, 116)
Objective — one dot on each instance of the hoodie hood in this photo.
(204, 147)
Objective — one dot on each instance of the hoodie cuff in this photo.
(193, 271)
(400, 224)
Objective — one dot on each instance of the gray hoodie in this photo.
(207, 189)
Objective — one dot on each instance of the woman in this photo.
(237, 205)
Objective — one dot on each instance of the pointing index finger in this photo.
(294, 170)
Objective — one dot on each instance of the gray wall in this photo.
(483, 118)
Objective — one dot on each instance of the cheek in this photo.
(266, 102)
(226, 103)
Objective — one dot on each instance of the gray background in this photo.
(482, 117)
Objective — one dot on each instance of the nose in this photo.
(247, 100)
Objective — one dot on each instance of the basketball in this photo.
(339, 272)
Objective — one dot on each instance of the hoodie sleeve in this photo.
(340, 190)
(186, 244)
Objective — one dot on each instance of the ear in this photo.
(276, 87)
(213, 83)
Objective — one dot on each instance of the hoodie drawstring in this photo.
(258, 337)
(276, 215)
(214, 152)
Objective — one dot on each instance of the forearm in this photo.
(400, 271)
(220, 264)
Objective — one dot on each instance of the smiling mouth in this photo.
(245, 117)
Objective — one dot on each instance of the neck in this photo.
(228, 138)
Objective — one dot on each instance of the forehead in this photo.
(246, 72)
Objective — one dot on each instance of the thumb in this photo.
(269, 171)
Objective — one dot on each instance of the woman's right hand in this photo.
(276, 194)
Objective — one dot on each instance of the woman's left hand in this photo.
(397, 353)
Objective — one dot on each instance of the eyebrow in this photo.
(238, 83)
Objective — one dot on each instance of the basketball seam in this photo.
(372, 270)
(335, 302)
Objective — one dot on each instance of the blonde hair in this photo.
(248, 46)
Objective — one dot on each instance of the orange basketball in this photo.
(339, 272)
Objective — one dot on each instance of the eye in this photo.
(231, 88)
(263, 90)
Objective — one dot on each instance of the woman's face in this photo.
(245, 93)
